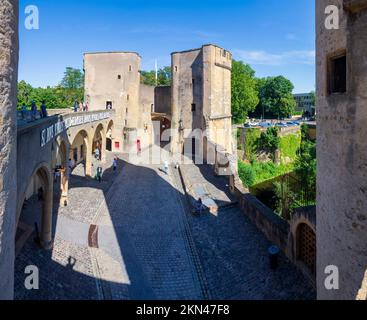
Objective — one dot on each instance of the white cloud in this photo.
(261, 57)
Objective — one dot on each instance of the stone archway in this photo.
(164, 125)
(109, 136)
(99, 143)
(61, 172)
(36, 210)
(80, 154)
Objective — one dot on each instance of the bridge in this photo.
(49, 143)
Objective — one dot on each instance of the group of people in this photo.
(80, 106)
(34, 110)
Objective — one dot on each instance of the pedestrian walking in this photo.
(33, 111)
(166, 167)
(24, 111)
(97, 154)
(99, 174)
(76, 105)
(115, 165)
(43, 109)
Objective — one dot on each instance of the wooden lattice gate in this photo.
(307, 246)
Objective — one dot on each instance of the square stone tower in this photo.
(112, 80)
(201, 96)
(342, 148)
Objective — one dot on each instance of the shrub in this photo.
(246, 174)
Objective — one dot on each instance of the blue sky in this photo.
(276, 37)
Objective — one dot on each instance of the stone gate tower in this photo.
(201, 96)
(112, 80)
(8, 103)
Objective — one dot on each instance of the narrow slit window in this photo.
(338, 74)
(193, 107)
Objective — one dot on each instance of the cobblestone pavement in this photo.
(233, 253)
(151, 247)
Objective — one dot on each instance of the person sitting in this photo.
(199, 207)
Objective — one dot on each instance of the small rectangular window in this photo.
(127, 110)
(193, 107)
(175, 68)
(193, 82)
(224, 53)
(152, 107)
(130, 68)
(108, 105)
(119, 77)
(337, 74)
(128, 97)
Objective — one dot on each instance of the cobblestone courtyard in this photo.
(146, 244)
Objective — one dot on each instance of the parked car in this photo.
(265, 124)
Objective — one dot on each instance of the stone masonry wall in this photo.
(342, 152)
(8, 85)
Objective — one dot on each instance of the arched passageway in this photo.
(79, 156)
(99, 144)
(109, 136)
(36, 212)
(159, 130)
(62, 172)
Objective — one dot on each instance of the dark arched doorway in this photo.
(35, 217)
(161, 125)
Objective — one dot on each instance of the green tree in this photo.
(24, 93)
(71, 87)
(269, 141)
(148, 78)
(313, 99)
(276, 96)
(244, 91)
(246, 174)
(73, 79)
(306, 167)
(164, 77)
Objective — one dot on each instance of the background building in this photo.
(305, 103)
(199, 98)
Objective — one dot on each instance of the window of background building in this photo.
(193, 107)
(337, 74)
(152, 107)
(119, 77)
(108, 105)
(130, 68)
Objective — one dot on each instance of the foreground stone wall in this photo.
(342, 152)
(8, 90)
